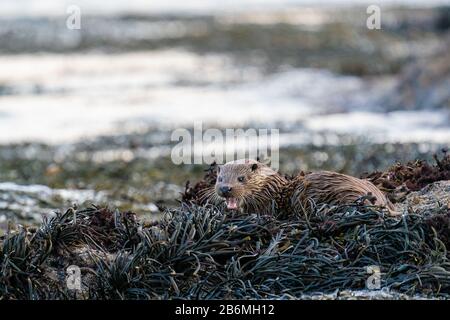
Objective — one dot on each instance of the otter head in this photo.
(238, 181)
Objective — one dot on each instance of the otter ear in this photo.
(254, 166)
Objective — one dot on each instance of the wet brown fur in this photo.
(326, 187)
(266, 191)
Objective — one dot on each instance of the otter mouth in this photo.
(232, 203)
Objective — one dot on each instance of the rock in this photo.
(431, 197)
(28, 204)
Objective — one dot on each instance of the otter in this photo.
(250, 186)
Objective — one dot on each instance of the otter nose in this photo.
(225, 190)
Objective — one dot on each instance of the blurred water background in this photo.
(86, 115)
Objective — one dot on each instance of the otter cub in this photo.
(251, 186)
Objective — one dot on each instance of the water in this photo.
(121, 75)
(65, 98)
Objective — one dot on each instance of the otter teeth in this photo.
(232, 203)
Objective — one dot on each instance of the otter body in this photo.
(326, 187)
(250, 186)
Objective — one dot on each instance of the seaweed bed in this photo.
(401, 179)
(205, 252)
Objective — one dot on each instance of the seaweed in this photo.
(205, 252)
(201, 252)
(401, 179)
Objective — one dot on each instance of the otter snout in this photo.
(225, 191)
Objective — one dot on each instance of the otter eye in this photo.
(220, 179)
(241, 179)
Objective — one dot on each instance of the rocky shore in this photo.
(205, 252)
